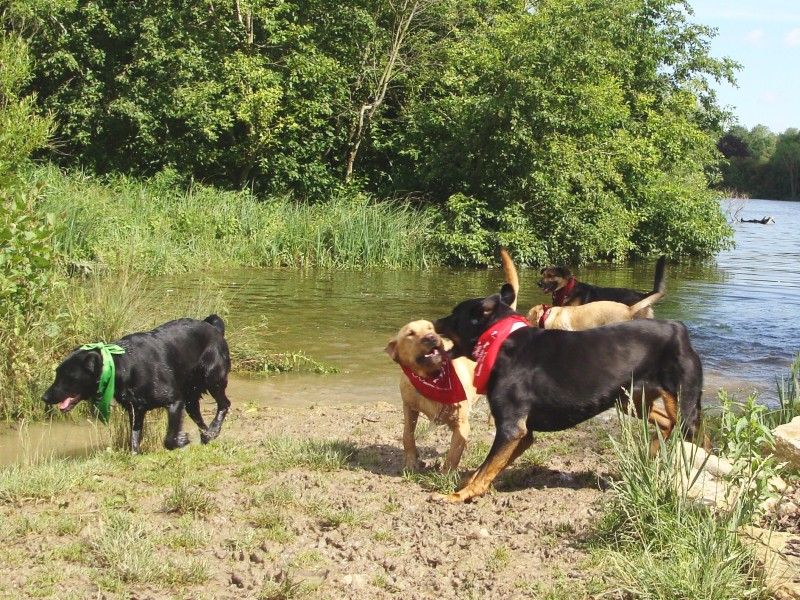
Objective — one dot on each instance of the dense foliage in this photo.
(762, 164)
(568, 129)
(25, 251)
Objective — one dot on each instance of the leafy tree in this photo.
(787, 160)
(558, 120)
(25, 252)
(767, 167)
(576, 111)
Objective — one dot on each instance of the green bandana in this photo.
(105, 389)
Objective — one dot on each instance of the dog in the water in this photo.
(550, 380)
(566, 290)
(587, 316)
(170, 367)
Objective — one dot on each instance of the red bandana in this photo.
(561, 294)
(545, 314)
(488, 346)
(445, 387)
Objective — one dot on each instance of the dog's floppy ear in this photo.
(93, 362)
(507, 294)
(391, 349)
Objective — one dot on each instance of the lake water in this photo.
(742, 309)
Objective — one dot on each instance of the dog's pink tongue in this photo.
(66, 403)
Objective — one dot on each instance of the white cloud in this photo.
(793, 38)
(755, 37)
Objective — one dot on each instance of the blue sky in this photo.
(764, 37)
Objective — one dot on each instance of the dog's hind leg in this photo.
(175, 437)
(458, 441)
(665, 418)
(223, 404)
(193, 410)
(510, 441)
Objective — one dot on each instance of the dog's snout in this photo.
(431, 338)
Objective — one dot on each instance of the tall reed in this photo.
(163, 226)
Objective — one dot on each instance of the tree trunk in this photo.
(405, 17)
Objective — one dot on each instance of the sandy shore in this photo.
(267, 513)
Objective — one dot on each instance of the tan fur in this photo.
(594, 314)
(510, 272)
(405, 348)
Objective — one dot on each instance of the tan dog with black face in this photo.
(594, 314)
(418, 347)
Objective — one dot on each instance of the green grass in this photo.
(124, 548)
(185, 499)
(434, 481)
(45, 481)
(158, 226)
(284, 453)
(657, 542)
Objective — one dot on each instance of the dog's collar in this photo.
(545, 314)
(561, 294)
(105, 387)
(445, 387)
(488, 346)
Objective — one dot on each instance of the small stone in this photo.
(787, 509)
(237, 580)
(255, 558)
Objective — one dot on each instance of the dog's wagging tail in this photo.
(550, 380)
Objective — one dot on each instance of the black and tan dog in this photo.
(566, 290)
(550, 380)
(169, 367)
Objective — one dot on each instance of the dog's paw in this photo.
(210, 433)
(445, 498)
(179, 441)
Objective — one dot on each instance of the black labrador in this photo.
(170, 367)
(550, 380)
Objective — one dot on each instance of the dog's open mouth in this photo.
(432, 358)
(68, 403)
(548, 287)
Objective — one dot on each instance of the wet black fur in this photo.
(168, 367)
(583, 293)
(553, 379)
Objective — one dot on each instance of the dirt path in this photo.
(266, 513)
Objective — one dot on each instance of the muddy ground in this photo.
(261, 514)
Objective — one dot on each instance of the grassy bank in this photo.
(162, 225)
